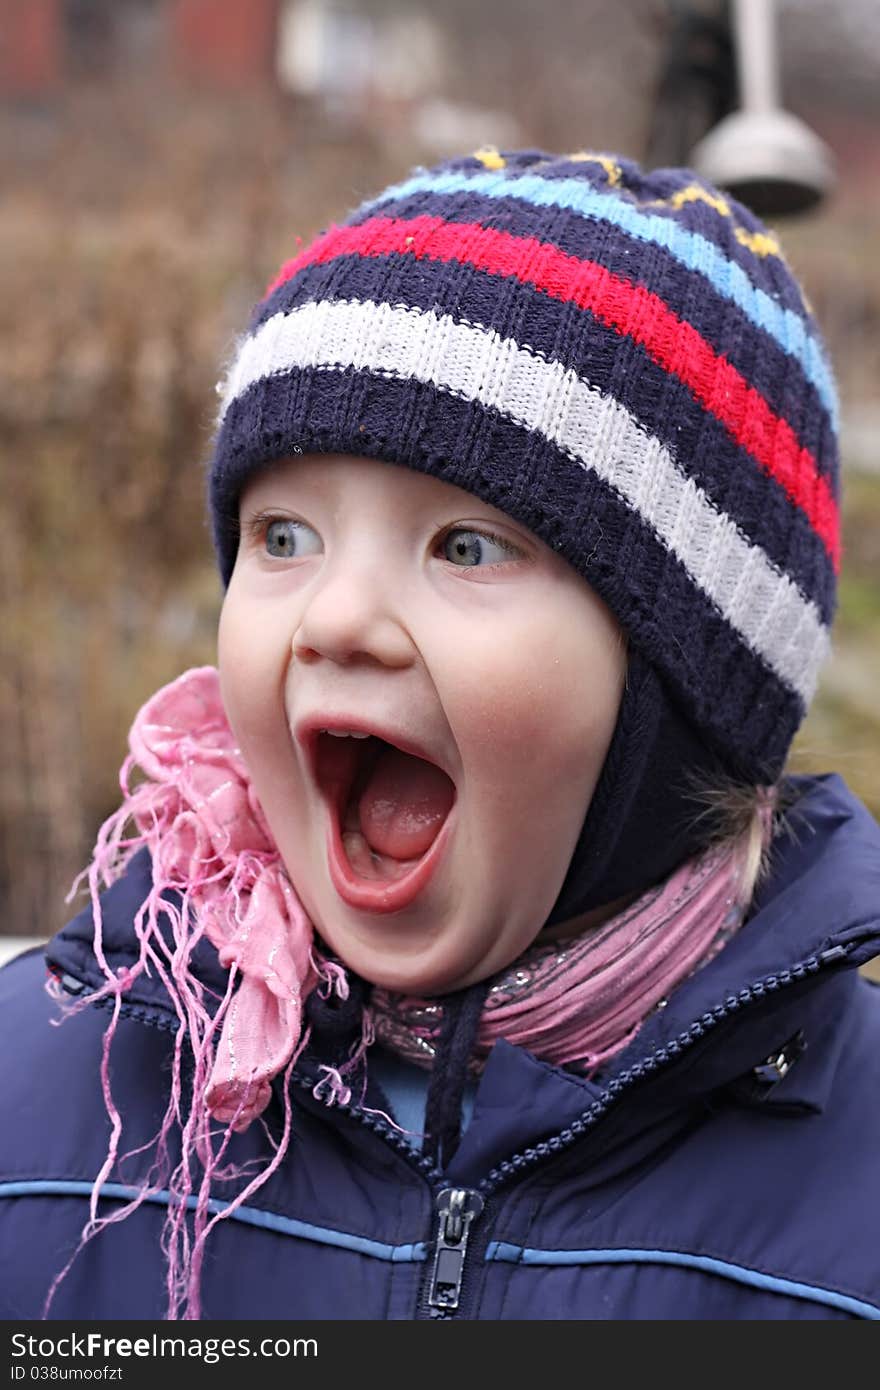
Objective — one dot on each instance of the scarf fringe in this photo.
(208, 841)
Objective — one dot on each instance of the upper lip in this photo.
(308, 727)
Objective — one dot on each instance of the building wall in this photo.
(228, 45)
(30, 47)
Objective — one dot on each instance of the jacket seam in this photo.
(17, 1178)
(688, 1255)
(159, 1200)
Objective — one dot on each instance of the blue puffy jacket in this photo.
(726, 1166)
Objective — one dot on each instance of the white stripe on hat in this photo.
(763, 605)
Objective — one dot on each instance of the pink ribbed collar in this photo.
(577, 1003)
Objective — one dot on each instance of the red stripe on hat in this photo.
(630, 310)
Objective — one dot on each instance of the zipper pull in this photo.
(456, 1209)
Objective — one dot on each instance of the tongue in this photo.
(404, 804)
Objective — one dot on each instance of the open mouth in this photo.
(389, 819)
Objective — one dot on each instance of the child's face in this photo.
(376, 595)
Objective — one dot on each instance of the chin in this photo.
(418, 978)
(420, 983)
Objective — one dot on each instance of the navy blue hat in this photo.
(623, 362)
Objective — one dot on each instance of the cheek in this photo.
(551, 685)
(251, 664)
(234, 658)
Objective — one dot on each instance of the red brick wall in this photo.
(30, 46)
(224, 45)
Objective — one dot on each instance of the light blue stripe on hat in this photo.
(692, 250)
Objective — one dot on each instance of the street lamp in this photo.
(764, 156)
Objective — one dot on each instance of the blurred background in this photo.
(160, 158)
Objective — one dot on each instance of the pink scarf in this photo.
(574, 1003)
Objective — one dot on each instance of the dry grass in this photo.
(133, 244)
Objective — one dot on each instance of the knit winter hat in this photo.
(620, 360)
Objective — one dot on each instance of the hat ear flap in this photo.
(643, 820)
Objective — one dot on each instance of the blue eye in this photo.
(475, 548)
(287, 539)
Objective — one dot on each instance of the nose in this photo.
(351, 613)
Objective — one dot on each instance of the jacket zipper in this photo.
(457, 1208)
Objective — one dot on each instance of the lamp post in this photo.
(764, 156)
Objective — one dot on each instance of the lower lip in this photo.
(373, 895)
